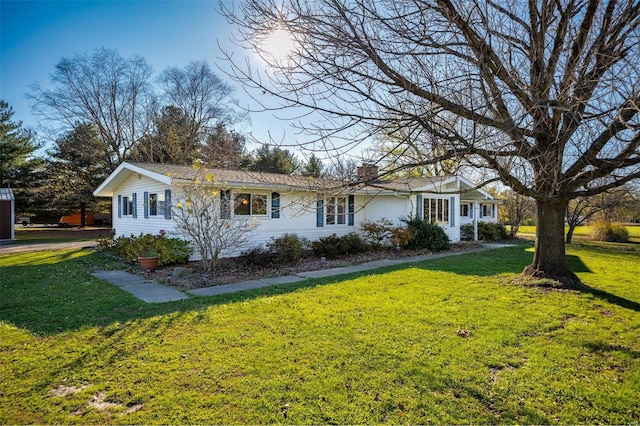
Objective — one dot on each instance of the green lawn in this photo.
(452, 340)
(582, 231)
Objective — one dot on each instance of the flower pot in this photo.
(148, 264)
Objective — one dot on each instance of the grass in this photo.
(451, 340)
(582, 232)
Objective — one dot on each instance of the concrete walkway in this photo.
(152, 292)
(148, 291)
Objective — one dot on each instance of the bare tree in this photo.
(543, 94)
(109, 91)
(203, 211)
(515, 209)
(583, 209)
(204, 97)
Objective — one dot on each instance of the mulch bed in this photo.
(232, 270)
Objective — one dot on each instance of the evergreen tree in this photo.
(78, 164)
(314, 167)
(224, 149)
(273, 160)
(17, 162)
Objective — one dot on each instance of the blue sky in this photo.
(35, 35)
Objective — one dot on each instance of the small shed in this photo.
(7, 215)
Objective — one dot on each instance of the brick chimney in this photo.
(367, 172)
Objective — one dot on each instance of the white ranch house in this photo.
(313, 208)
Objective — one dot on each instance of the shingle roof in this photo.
(247, 178)
(241, 177)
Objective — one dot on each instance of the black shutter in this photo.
(275, 205)
(320, 213)
(119, 205)
(146, 205)
(167, 204)
(351, 211)
(134, 202)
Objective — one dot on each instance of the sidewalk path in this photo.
(152, 292)
(145, 290)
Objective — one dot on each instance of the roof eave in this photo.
(122, 173)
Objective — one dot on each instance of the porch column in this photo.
(476, 212)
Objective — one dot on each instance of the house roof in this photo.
(169, 173)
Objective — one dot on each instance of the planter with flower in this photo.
(151, 250)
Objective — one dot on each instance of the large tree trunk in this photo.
(549, 259)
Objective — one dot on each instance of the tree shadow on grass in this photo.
(512, 261)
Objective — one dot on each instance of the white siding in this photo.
(127, 225)
(298, 214)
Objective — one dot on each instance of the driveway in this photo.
(25, 248)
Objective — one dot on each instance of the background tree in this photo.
(202, 96)
(314, 167)
(109, 91)
(515, 209)
(582, 209)
(407, 154)
(273, 160)
(224, 149)
(342, 168)
(79, 162)
(18, 164)
(544, 95)
(171, 140)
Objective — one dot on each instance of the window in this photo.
(336, 211)
(487, 210)
(127, 206)
(436, 210)
(464, 210)
(153, 204)
(250, 205)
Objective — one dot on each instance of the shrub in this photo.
(426, 235)
(466, 232)
(377, 234)
(604, 230)
(384, 234)
(257, 256)
(401, 236)
(168, 250)
(487, 231)
(333, 246)
(288, 248)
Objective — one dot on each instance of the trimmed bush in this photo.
(384, 234)
(333, 246)
(168, 250)
(288, 248)
(487, 231)
(426, 235)
(257, 256)
(466, 232)
(604, 230)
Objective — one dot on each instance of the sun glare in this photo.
(279, 45)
